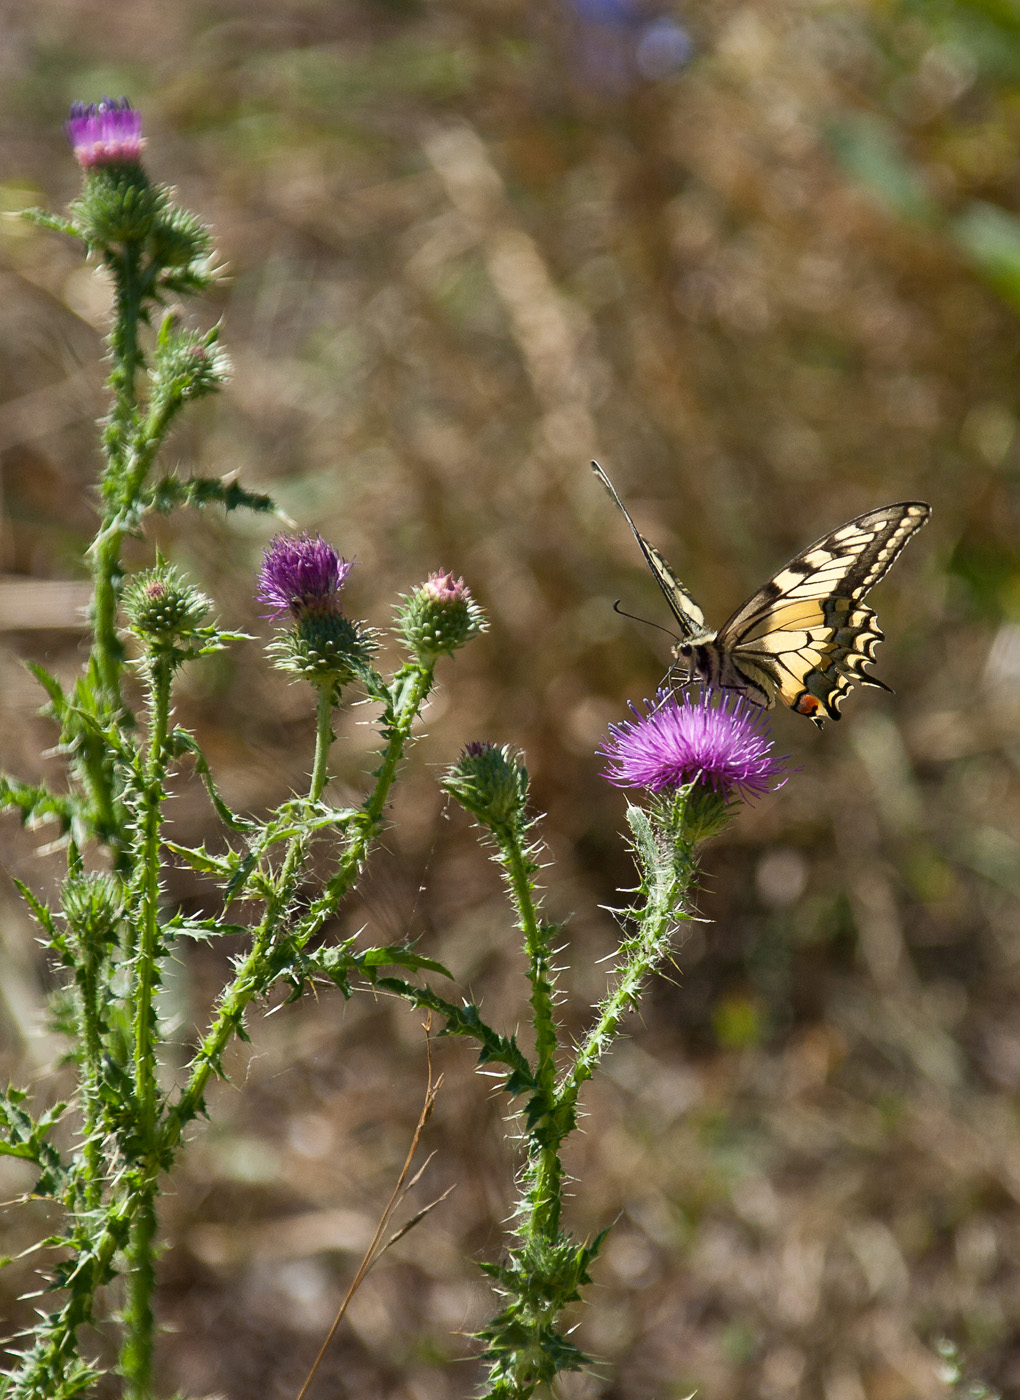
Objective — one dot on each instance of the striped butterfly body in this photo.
(806, 635)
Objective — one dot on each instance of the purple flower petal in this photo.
(301, 574)
(723, 743)
(105, 133)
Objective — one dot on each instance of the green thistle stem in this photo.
(89, 1022)
(136, 1354)
(404, 699)
(251, 980)
(323, 739)
(139, 1322)
(669, 873)
(545, 1170)
(257, 971)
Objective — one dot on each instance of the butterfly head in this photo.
(698, 657)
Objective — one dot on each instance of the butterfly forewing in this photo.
(689, 617)
(806, 636)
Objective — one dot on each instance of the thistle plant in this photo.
(109, 924)
(112, 929)
(694, 759)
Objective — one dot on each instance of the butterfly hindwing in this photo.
(806, 635)
(689, 617)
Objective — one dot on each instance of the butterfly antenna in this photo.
(634, 618)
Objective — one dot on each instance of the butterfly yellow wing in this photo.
(806, 636)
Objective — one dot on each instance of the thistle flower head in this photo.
(302, 575)
(438, 617)
(723, 743)
(108, 132)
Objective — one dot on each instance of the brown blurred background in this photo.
(761, 259)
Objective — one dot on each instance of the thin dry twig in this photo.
(377, 1246)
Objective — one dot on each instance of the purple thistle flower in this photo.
(105, 133)
(722, 743)
(302, 575)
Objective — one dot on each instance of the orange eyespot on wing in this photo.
(807, 705)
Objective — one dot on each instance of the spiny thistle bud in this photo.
(491, 782)
(118, 203)
(92, 904)
(162, 606)
(180, 240)
(438, 617)
(303, 575)
(188, 364)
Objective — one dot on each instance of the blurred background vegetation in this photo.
(763, 260)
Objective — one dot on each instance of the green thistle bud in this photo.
(117, 205)
(180, 239)
(438, 617)
(161, 605)
(188, 365)
(689, 815)
(491, 782)
(92, 904)
(325, 648)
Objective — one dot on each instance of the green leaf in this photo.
(868, 149)
(26, 1139)
(36, 804)
(393, 955)
(50, 684)
(42, 913)
(203, 930)
(42, 218)
(171, 493)
(198, 858)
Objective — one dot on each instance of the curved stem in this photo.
(258, 968)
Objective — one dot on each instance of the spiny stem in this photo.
(136, 1355)
(546, 1170)
(257, 971)
(139, 1322)
(92, 1051)
(405, 698)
